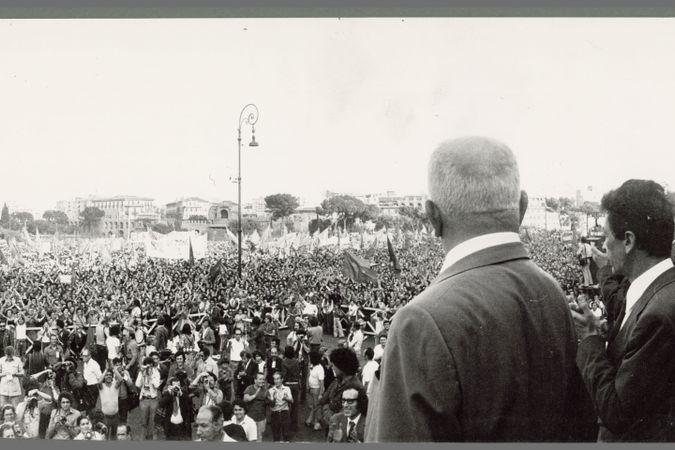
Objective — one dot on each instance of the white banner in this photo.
(176, 245)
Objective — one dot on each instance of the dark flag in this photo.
(3, 260)
(216, 271)
(392, 256)
(358, 269)
(191, 256)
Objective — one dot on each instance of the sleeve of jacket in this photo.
(419, 393)
(625, 394)
(613, 288)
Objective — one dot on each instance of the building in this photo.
(182, 210)
(301, 218)
(73, 208)
(124, 214)
(538, 215)
(391, 204)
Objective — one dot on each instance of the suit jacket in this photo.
(485, 353)
(632, 380)
(340, 421)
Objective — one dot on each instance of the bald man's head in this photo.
(475, 181)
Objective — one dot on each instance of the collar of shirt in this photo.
(476, 244)
(641, 283)
(355, 420)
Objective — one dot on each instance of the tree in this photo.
(346, 207)
(43, 226)
(161, 228)
(281, 205)
(552, 203)
(417, 215)
(247, 226)
(58, 217)
(4, 217)
(565, 203)
(23, 217)
(91, 217)
(318, 225)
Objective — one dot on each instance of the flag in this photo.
(392, 256)
(191, 255)
(232, 236)
(37, 234)
(358, 269)
(3, 260)
(218, 270)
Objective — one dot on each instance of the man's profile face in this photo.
(206, 429)
(616, 250)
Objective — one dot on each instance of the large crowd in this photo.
(197, 356)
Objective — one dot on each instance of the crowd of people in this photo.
(202, 357)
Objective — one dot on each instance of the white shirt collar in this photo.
(355, 420)
(641, 283)
(476, 244)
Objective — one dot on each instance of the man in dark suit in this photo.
(245, 375)
(486, 352)
(630, 373)
(349, 425)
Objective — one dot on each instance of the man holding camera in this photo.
(205, 390)
(148, 381)
(177, 403)
(126, 388)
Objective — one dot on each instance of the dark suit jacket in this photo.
(485, 353)
(632, 381)
(339, 421)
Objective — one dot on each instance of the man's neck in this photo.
(642, 265)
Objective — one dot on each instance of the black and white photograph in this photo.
(337, 229)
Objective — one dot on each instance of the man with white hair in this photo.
(486, 352)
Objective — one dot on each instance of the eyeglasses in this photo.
(349, 400)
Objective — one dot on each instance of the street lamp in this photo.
(248, 115)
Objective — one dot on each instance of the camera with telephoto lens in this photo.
(64, 420)
(175, 390)
(88, 435)
(51, 375)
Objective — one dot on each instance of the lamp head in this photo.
(253, 142)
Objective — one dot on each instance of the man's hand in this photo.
(585, 322)
(601, 259)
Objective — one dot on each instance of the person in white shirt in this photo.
(316, 388)
(20, 337)
(92, 374)
(355, 339)
(148, 382)
(240, 418)
(369, 369)
(236, 345)
(11, 372)
(210, 364)
(379, 349)
(113, 343)
(109, 393)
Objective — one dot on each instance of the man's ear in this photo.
(629, 243)
(435, 217)
(522, 205)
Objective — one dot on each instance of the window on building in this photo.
(223, 214)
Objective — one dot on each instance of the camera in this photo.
(51, 375)
(88, 435)
(63, 420)
(175, 390)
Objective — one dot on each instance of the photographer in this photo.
(86, 432)
(127, 389)
(180, 365)
(205, 390)
(63, 420)
(28, 412)
(177, 403)
(148, 381)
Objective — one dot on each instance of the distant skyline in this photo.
(150, 107)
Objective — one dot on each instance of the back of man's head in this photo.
(476, 180)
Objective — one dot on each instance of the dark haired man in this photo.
(630, 373)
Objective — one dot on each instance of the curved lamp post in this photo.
(249, 115)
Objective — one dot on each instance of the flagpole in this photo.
(251, 118)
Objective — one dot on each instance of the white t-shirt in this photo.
(222, 329)
(249, 427)
(113, 345)
(378, 352)
(316, 376)
(236, 347)
(368, 371)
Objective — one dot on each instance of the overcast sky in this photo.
(151, 107)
